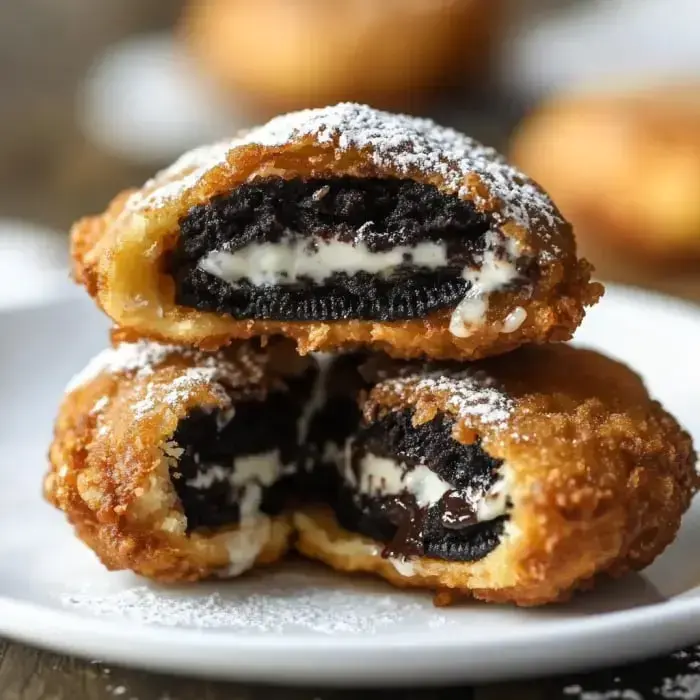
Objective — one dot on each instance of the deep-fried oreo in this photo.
(518, 478)
(339, 227)
(179, 464)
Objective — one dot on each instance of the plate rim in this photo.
(109, 638)
(240, 657)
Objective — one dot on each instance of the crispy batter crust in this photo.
(109, 468)
(625, 167)
(599, 476)
(119, 258)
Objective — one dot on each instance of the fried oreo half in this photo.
(179, 464)
(516, 479)
(339, 227)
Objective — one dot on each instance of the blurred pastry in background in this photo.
(624, 167)
(284, 54)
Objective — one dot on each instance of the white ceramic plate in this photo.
(301, 624)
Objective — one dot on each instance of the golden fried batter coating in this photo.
(624, 167)
(112, 456)
(598, 475)
(121, 256)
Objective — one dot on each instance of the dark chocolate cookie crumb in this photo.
(379, 214)
(213, 440)
(432, 444)
(397, 520)
(362, 296)
(390, 213)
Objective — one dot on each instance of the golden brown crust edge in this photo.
(109, 474)
(610, 502)
(598, 473)
(552, 316)
(118, 258)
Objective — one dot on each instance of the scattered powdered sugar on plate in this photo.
(290, 604)
(675, 677)
(398, 142)
(684, 686)
(614, 694)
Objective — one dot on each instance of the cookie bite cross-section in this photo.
(327, 250)
(514, 479)
(339, 227)
(416, 487)
(179, 464)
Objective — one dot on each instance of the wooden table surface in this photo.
(31, 674)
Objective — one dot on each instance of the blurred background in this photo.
(599, 100)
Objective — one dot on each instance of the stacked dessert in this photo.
(336, 332)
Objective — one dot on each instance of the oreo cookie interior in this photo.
(238, 462)
(327, 250)
(419, 491)
(334, 417)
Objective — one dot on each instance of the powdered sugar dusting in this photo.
(411, 144)
(675, 677)
(405, 144)
(182, 175)
(472, 393)
(139, 357)
(291, 604)
(177, 390)
(235, 367)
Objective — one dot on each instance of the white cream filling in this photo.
(490, 275)
(245, 544)
(248, 476)
(514, 320)
(292, 258)
(381, 476)
(406, 566)
(494, 503)
(316, 400)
